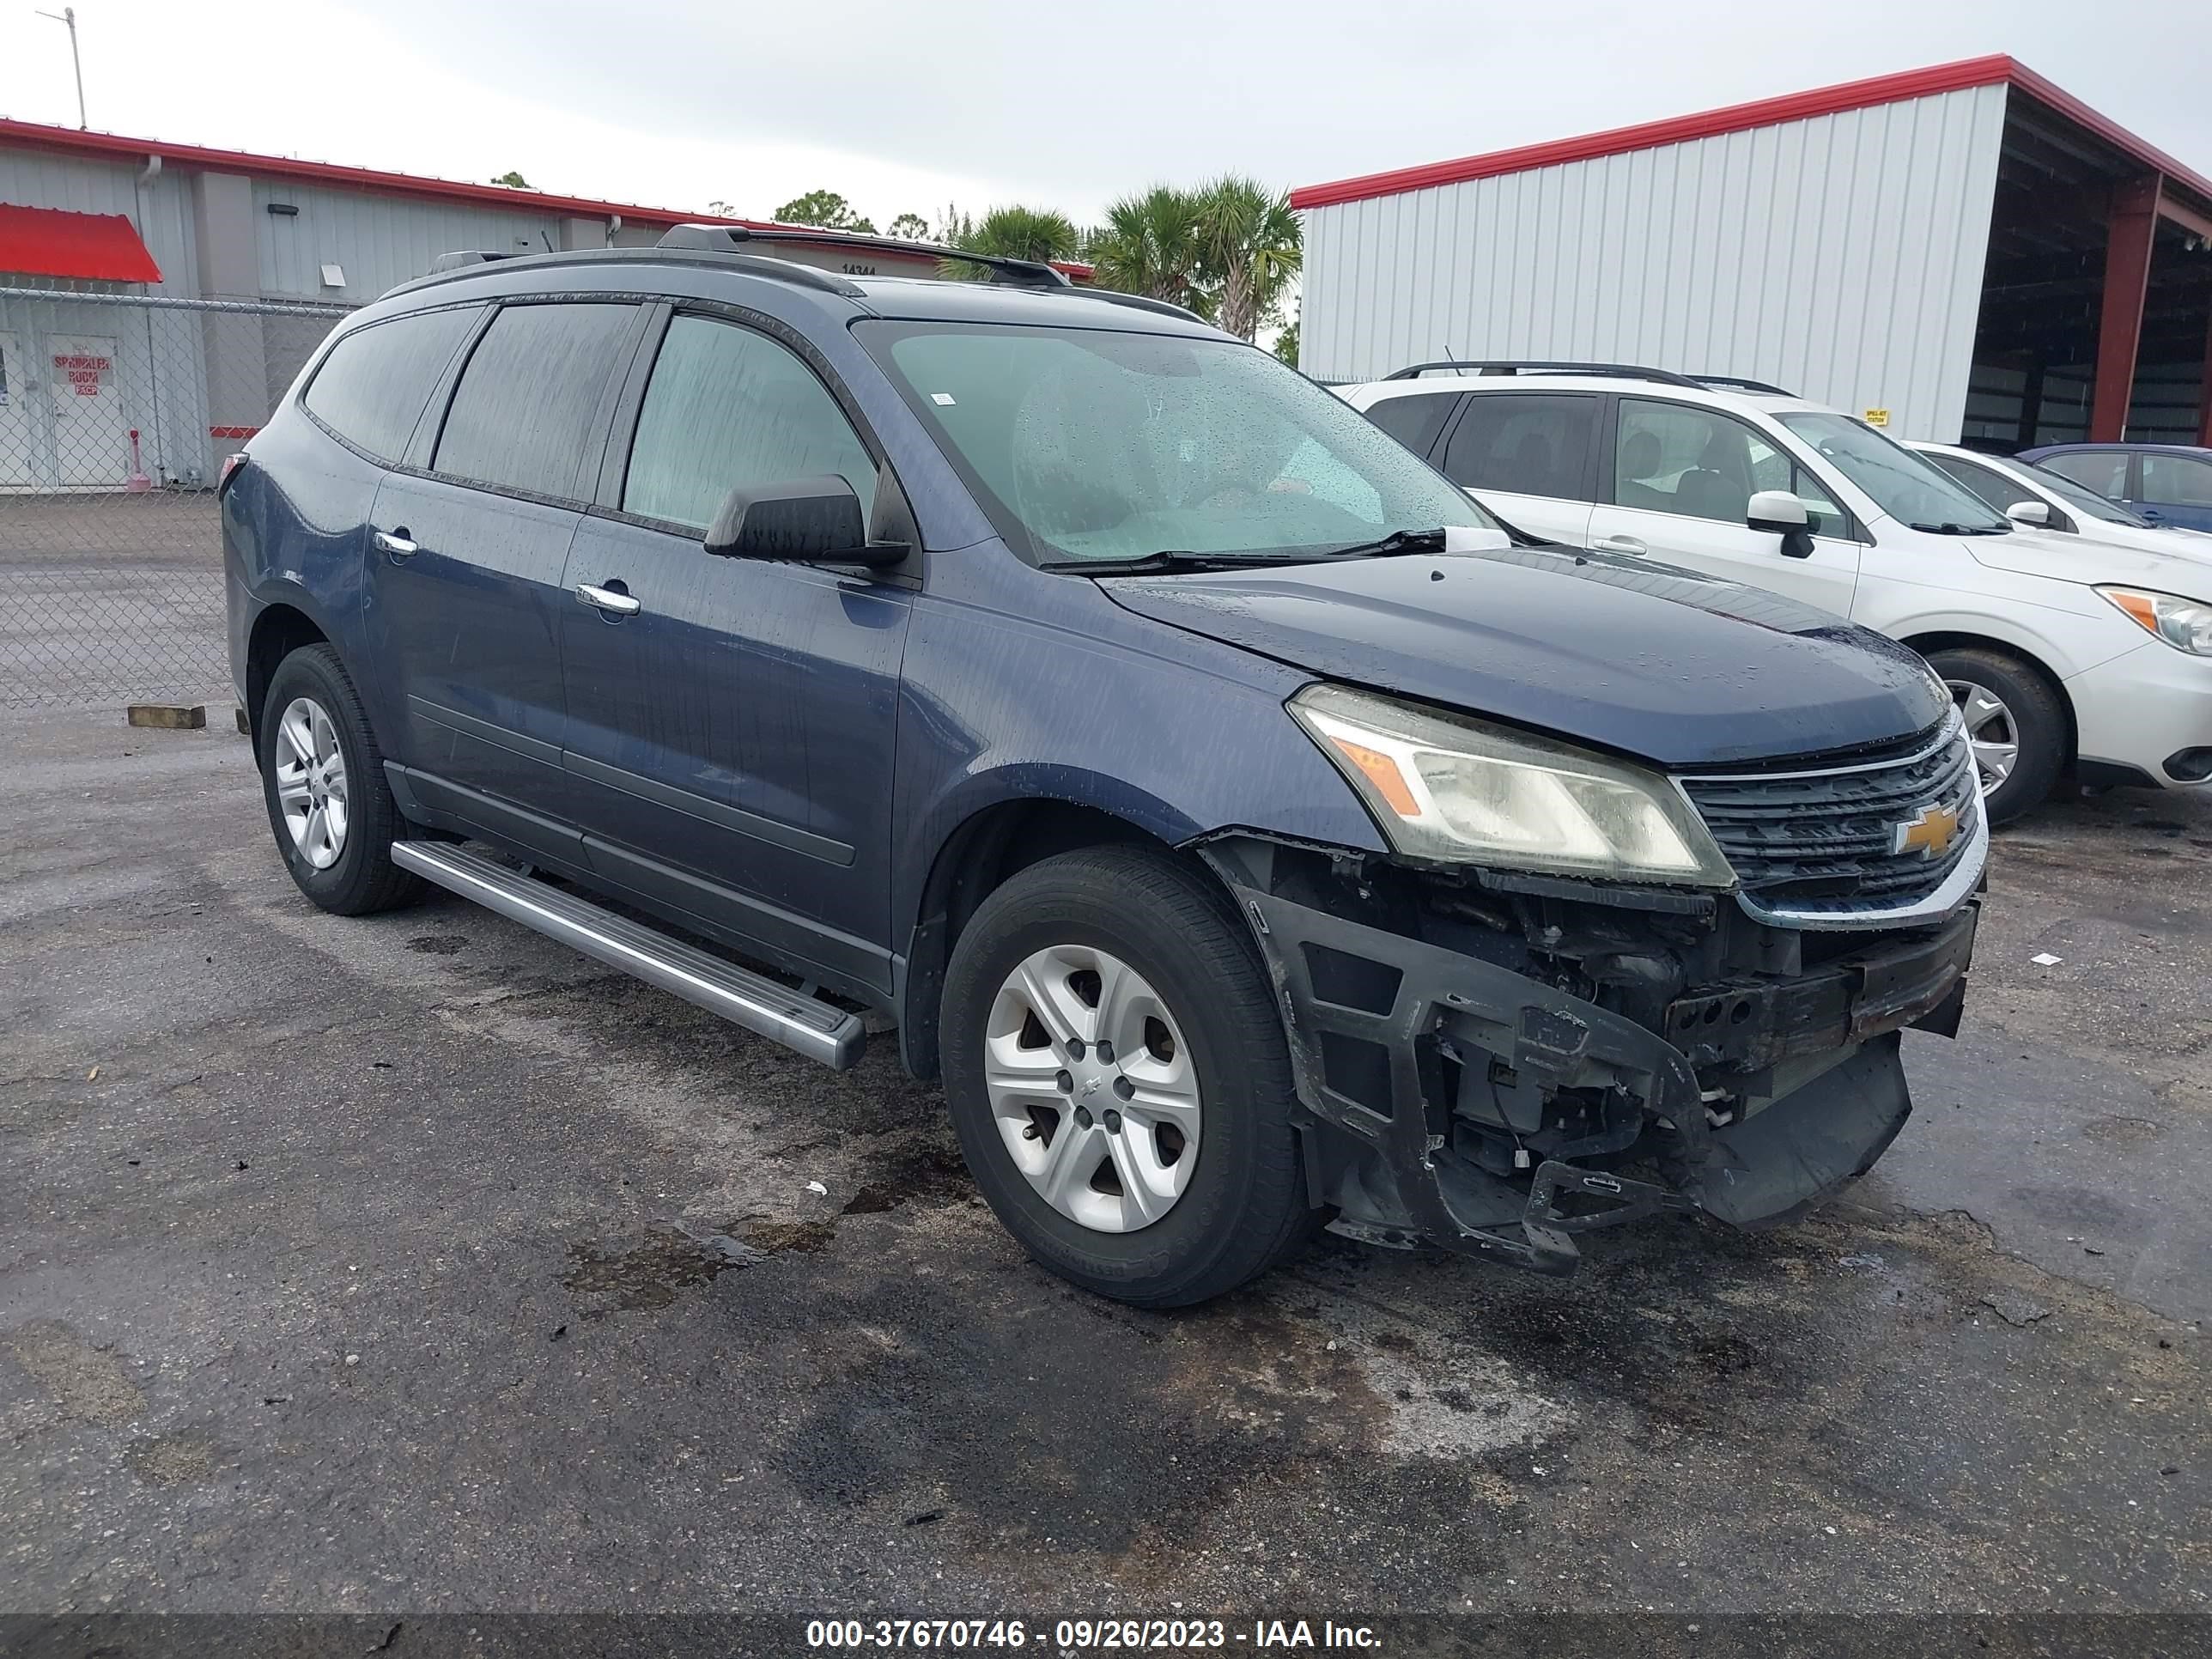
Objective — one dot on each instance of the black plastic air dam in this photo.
(1778, 1164)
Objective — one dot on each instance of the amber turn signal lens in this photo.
(2141, 606)
(1382, 772)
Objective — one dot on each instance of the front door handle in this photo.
(613, 602)
(395, 542)
(1619, 544)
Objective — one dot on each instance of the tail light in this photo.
(231, 464)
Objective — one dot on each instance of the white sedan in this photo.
(2029, 495)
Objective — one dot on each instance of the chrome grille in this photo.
(1820, 844)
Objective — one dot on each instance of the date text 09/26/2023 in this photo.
(1074, 1636)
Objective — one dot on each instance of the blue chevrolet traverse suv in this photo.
(1252, 833)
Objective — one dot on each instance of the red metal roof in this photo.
(1998, 70)
(48, 242)
(115, 146)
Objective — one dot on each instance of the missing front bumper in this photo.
(1370, 1047)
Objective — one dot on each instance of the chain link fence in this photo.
(116, 411)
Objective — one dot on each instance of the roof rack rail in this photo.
(461, 257)
(1511, 366)
(1138, 302)
(1738, 382)
(448, 266)
(732, 239)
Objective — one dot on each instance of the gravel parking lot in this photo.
(415, 1265)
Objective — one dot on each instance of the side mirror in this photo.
(2029, 513)
(802, 520)
(1783, 514)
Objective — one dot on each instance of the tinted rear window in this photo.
(1415, 420)
(371, 389)
(521, 417)
(1527, 443)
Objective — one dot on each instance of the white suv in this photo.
(2065, 652)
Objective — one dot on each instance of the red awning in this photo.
(48, 242)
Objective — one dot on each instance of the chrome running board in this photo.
(804, 1023)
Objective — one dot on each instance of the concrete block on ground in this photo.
(170, 716)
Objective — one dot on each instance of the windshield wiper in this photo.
(1398, 541)
(1949, 529)
(1171, 559)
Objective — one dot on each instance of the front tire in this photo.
(1116, 1072)
(2013, 720)
(322, 777)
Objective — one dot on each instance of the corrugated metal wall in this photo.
(161, 211)
(1840, 257)
(377, 241)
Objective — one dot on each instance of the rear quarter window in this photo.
(371, 388)
(1415, 419)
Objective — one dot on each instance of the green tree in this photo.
(1021, 232)
(909, 228)
(1149, 245)
(1248, 250)
(825, 209)
(1286, 343)
(513, 180)
(1016, 233)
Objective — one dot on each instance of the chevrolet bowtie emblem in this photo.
(1932, 832)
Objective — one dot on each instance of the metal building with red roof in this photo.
(1965, 250)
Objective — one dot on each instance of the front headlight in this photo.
(1448, 788)
(2185, 624)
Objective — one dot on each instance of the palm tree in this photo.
(1149, 245)
(1016, 233)
(1248, 247)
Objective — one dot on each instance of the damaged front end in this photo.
(1495, 1062)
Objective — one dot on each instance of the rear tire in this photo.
(2007, 704)
(1201, 1011)
(322, 779)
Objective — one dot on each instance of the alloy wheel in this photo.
(1991, 731)
(1093, 1088)
(311, 781)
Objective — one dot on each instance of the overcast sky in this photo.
(905, 107)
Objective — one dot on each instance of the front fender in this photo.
(1055, 693)
(2067, 650)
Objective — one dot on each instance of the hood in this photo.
(2190, 544)
(2137, 562)
(1612, 651)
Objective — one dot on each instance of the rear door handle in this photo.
(395, 542)
(1619, 544)
(608, 599)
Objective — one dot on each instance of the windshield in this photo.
(1902, 485)
(1086, 445)
(2080, 496)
